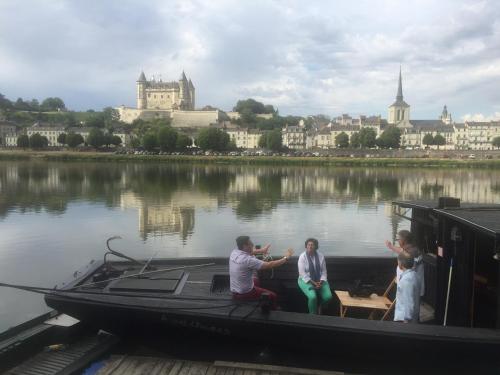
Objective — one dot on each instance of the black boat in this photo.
(150, 297)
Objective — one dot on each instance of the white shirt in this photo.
(408, 297)
(303, 264)
(419, 269)
(241, 269)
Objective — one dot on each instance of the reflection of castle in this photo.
(175, 215)
(161, 220)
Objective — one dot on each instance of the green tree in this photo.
(38, 141)
(167, 138)
(110, 114)
(342, 140)
(69, 119)
(183, 141)
(52, 104)
(74, 140)
(439, 140)
(149, 141)
(247, 116)
(271, 140)
(35, 106)
(23, 141)
(212, 139)
(355, 141)
(95, 120)
(390, 138)
(367, 137)
(428, 139)
(107, 139)
(135, 142)
(95, 138)
(253, 106)
(496, 142)
(5, 103)
(116, 140)
(21, 105)
(61, 138)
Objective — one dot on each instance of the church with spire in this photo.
(399, 111)
(156, 94)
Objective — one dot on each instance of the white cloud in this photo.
(329, 57)
(481, 117)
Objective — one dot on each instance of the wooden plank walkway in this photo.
(135, 365)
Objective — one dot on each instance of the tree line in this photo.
(367, 138)
(96, 138)
(50, 104)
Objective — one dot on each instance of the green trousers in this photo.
(312, 295)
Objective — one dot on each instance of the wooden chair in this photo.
(386, 294)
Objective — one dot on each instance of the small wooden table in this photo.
(374, 302)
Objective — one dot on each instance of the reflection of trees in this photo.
(252, 204)
(157, 183)
(214, 180)
(432, 190)
(388, 188)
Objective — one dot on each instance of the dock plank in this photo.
(174, 370)
(162, 367)
(135, 365)
(145, 366)
(211, 370)
(199, 368)
(186, 368)
(261, 369)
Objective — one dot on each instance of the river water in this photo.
(56, 217)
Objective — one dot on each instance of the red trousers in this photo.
(254, 295)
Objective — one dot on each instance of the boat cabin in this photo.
(460, 242)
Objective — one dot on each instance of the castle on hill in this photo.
(174, 100)
(156, 94)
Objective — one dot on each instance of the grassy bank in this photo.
(254, 160)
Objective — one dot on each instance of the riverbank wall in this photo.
(352, 160)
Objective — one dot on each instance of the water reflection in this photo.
(167, 197)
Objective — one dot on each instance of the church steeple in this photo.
(399, 96)
(399, 111)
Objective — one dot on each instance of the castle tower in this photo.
(399, 111)
(141, 92)
(192, 94)
(183, 91)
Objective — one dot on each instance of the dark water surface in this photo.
(55, 217)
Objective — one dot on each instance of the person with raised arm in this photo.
(407, 243)
(243, 264)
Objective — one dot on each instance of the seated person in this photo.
(408, 292)
(407, 243)
(312, 276)
(242, 265)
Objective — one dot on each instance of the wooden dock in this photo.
(135, 365)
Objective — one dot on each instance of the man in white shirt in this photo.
(242, 265)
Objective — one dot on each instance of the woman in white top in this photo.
(312, 276)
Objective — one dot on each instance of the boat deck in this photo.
(132, 365)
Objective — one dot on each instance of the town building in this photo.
(294, 137)
(7, 129)
(244, 137)
(51, 132)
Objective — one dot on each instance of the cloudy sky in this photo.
(305, 58)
